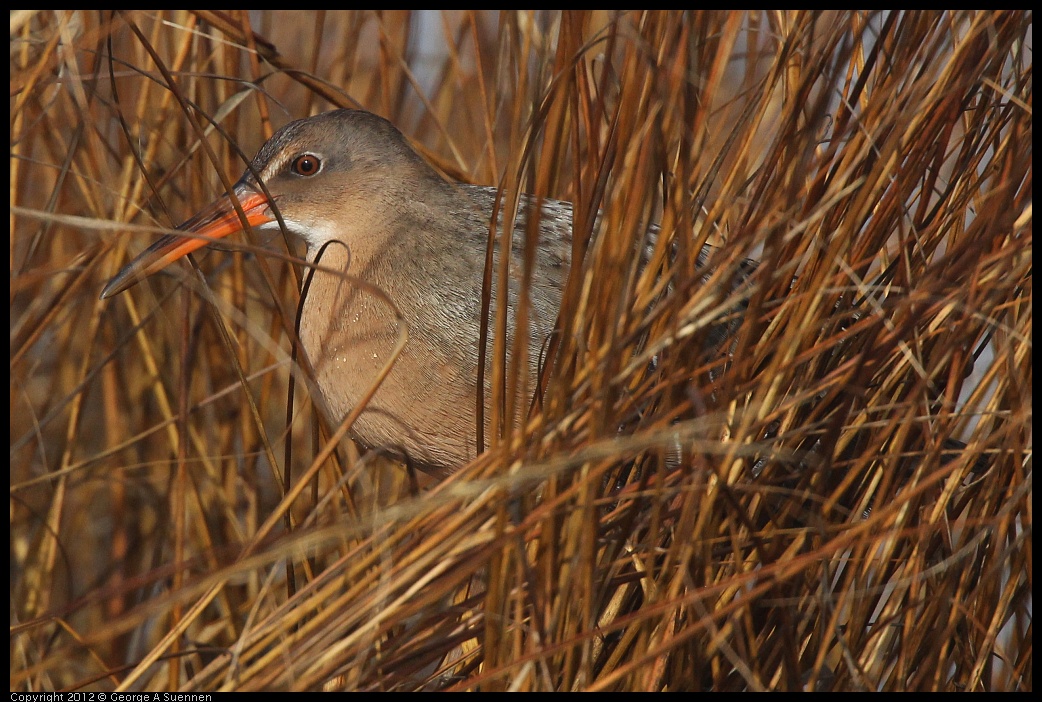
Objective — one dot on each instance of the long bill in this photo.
(216, 220)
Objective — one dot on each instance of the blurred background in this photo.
(808, 472)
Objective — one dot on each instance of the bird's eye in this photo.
(306, 164)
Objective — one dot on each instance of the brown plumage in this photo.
(371, 210)
(350, 177)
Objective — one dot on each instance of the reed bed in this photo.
(811, 472)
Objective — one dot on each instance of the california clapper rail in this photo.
(351, 178)
(376, 217)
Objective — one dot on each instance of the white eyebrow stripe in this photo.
(277, 164)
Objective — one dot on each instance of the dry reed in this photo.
(791, 509)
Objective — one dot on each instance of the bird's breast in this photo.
(425, 404)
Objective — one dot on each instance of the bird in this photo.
(365, 203)
(395, 246)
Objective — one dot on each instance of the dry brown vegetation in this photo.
(789, 511)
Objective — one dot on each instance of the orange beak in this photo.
(217, 220)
